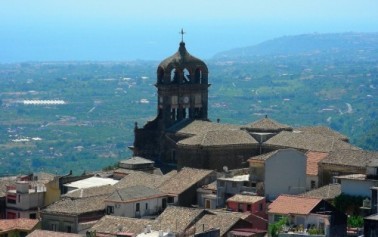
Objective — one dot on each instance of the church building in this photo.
(182, 133)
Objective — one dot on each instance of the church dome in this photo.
(182, 63)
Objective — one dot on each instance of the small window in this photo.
(313, 184)
(137, 207)
(53, 227)
(69, 229)
(146, 206)
(221, 183)
(260, 207)
(33, 216)
(109, 210)
(171, 199)
(249, 207)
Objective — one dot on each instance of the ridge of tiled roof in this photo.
(263, 156)
(222, 220)
(219, 138)
(266, 125)
(326, 192)
(287, 204)
(178, 219)
(183, 180)
(112, 225)
(313, 158)
(141, 178)
(240, 198)
(325, 131)
(17, 224)
(68, 206)
(308, 141)
(358, 158)
(134, 193)
(195, 127)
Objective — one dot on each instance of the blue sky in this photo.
(40, 30)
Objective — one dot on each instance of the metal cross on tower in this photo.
(182, 34)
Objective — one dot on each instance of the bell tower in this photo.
(182, 84)
(182, 94)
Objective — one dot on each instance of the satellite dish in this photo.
(225, 169)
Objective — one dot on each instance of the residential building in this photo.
(23, 200)
(356, 184)
(182, 186)
(272, 173)
(17, 227)
(136, 201)
(247, 203)
(207, 196)
(230, 185)
(313, 158)
(73, 215)
(304, 213)
(344, 162)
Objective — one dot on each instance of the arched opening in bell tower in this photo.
(198, 76)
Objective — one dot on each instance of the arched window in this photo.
(175, 77)
(186, 76)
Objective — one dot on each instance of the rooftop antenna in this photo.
(182, 34)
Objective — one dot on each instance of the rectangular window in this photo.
(260, 207)
(68, 229)
(109, 210)
(53, 227)
(249, 207)
(313, 184)
(146, 206)
(171, 199)
(221, 183)
(33, 216)
(137, 207)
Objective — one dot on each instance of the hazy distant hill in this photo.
(364, 44)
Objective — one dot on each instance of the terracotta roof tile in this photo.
(324, 131)
(244, 198)
(313, 159)
(115, 224)
(267, 125)
(47, 233)
(222, 220)
(326, 192)
(358, 158)
(300, 205)
(307, 141)
(141, 178)
(220, 138)
(184, 179)
(18, 224)
(194, 127)
(131, 194)
(67, 206)
(178, 219)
